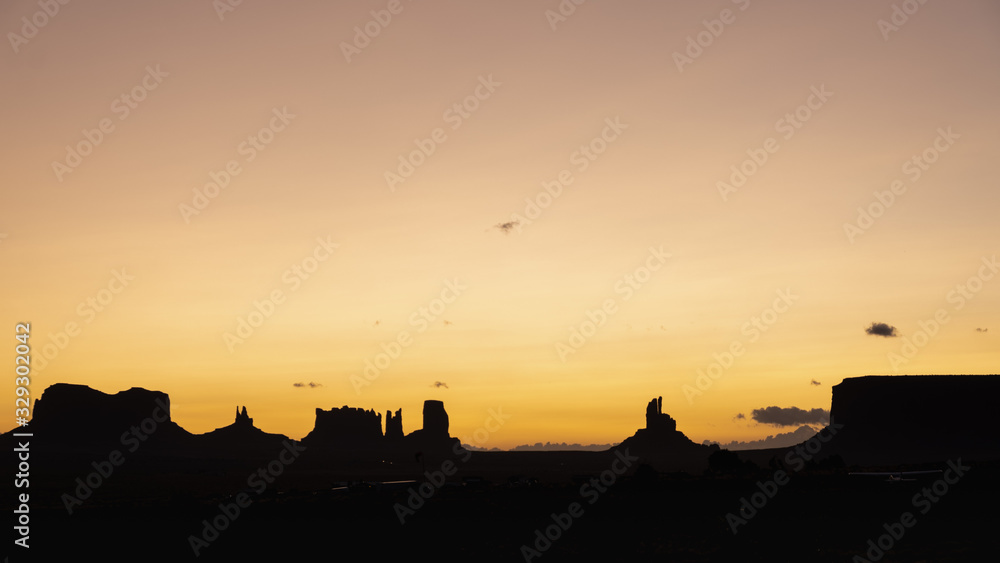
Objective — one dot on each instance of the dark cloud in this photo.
(814, 382)
(790, 416)
(982, 330)
(440, 384)
(310, 384)
(507, 227)
(881, 329)
(740, 416)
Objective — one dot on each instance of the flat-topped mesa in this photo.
(394, 425)
(915, 418)
(346, 425)
(81, 416)
(656, 420)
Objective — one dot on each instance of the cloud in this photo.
(440, 384)
(790, 416)
(507, 227)
(448, 323)
(310, 384)
(376, 323)
(881, 329)
(982, 330)
(782, 440)
(814, 382)
(740, 416)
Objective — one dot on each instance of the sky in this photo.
(540, 213)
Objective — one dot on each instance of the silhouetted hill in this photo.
(663, 446)
(241, 436)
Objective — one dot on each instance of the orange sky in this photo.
(615, 107)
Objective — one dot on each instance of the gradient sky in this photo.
(656, 185)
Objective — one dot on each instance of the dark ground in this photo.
(148, 509)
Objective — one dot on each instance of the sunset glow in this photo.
(501, 206)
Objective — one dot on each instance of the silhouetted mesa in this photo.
(347, 431)
(80, 418)
(916, 418)
(346, 427)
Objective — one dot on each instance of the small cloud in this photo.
(448, 323)
(740, 416)
(376, 323)
(814, 382)
(881, 329)
(982, 330)
(310, 384)
(507, 227)
(663, 327)
(440, 384)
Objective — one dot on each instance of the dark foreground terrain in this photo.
(150, 511)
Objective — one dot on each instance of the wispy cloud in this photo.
(310, 384)
(507, 227)
(440, 384)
